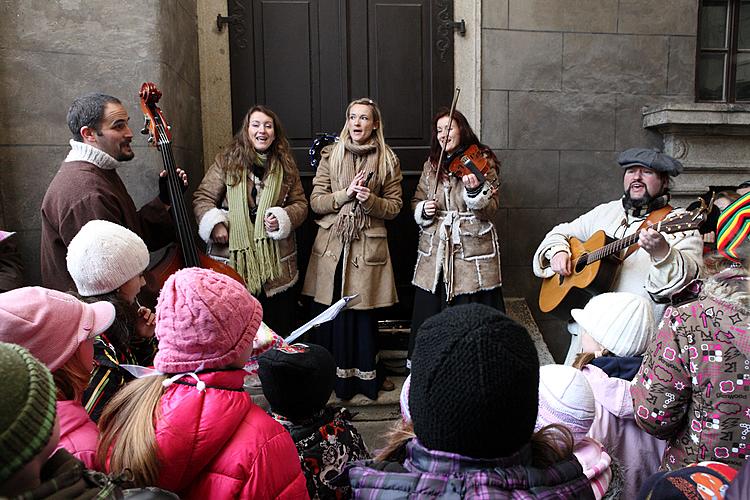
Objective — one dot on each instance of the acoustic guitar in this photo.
(595, 263)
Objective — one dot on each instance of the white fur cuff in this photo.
(285, 224)
(481, 200)
(209, 221)
(418, 215)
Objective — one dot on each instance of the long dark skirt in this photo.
(428, 304)
(279, 311)
(352, 339)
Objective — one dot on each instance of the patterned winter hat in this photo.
(103, 256)
(565, 397)
(297, 380)
(621, 322)
(733, 228)
(474, 383)
(701, 480)
(204, 320)
(27, 413)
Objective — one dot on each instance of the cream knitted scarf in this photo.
(352, 219)
(256, 257)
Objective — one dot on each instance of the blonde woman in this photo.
(357, 188)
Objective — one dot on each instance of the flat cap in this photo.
(650, 158)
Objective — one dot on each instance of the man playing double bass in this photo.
(660, 265)
(87, 187)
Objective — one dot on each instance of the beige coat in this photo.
(211, 207)
(367, 266)
(460, 240)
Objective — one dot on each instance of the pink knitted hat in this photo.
(51, 324)
(204, 320)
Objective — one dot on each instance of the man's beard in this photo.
(644, 201)
(125, 156)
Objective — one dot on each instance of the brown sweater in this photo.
(81, 192)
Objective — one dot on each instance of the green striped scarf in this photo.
(255, 258)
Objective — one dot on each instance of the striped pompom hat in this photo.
(733, 228)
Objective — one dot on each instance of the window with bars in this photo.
(723, 51)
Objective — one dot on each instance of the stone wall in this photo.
(52, 51)
(563, 87)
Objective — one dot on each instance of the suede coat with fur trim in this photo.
(367, 266)
(460, 236)
(211, 207)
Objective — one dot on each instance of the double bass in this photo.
(184, 253)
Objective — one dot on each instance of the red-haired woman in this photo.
(458, 255)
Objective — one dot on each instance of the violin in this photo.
(185, 253)
(466, 161)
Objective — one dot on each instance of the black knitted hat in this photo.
(475, 383)
(297, 380)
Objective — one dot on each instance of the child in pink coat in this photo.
(58, 329)
(191, 428)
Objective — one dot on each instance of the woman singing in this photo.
(252, 200)
(458, 256)
(356, 188)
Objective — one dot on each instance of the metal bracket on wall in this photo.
(459, 26)
(221, 21)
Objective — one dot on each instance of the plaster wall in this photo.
(53, 51)
(563, 84)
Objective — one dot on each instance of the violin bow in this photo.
(442, 149)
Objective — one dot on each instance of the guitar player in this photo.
(660, 265)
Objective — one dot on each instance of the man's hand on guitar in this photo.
(654, 243)
(560, 263)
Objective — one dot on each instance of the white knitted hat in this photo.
(621, 322)
(565, 397)
(104, 256)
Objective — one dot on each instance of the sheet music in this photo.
(326, 315)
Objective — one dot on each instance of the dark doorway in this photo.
(307, 59)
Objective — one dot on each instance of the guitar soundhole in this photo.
(581, 263)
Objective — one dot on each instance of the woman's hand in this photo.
(429, 208)
(362, 193)
(220, 233)
(470, 181)
(145, 325)
(271, 223)
(351, 191)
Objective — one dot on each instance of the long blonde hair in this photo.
(127, 436)
(387, 159)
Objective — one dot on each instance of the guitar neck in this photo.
(179, 211)
(613, 248)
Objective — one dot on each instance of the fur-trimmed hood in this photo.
(731, 287)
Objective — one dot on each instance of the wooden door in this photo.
(307, 59)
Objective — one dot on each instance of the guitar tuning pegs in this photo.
(169, 127)
(146, 123)
(151, 140)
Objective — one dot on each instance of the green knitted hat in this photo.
(27, 412)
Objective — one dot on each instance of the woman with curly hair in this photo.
(247, 207)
